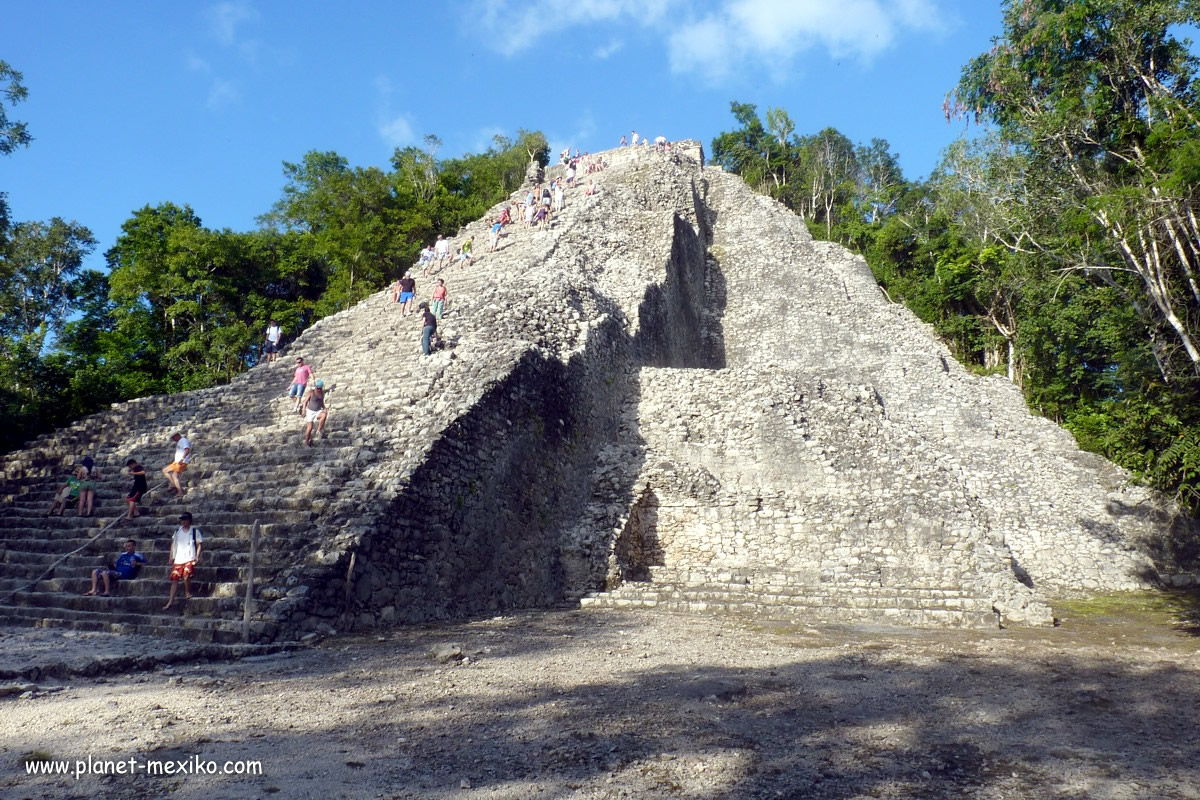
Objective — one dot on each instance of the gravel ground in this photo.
(614, 705)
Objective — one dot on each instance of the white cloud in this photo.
(197, 64)
(397, 132)
(715, 38)
(224, 19)
(610, 49)
(773, 31)
(484, 137)
(511, 26)
(222, 93)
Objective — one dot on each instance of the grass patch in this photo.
(1176, 608)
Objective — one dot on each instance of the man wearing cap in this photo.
(314, 411)
(185, 554)
(183, 455)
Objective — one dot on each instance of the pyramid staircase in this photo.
(390, 409)
(673, 398)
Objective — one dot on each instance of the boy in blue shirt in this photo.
(124, 568)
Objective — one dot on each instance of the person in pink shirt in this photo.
(299, 383)
(438, 303)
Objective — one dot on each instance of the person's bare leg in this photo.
(321, 423)
(107, 584)
(95, 575)
(308, 434)
(171, 597)
(187, 587)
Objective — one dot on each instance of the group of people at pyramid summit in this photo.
(660, 142)
(535, 207)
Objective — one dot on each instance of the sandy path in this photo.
(614, 705)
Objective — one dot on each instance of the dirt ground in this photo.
(601, 704)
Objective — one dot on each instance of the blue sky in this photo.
(144, 102)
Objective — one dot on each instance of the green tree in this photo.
(13, 134)
(38, 274)
(1102, 95)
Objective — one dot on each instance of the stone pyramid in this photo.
(671, 397)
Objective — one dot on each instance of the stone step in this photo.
(211, 544)
(135, 529)
(151, 582)
(163, 517)
(200, 629)
(887, 605)
(125, 603)
(937, 595)
(17, 576)
(15, 563)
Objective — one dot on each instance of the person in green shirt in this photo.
(68, 493)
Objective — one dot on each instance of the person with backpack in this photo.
(125, 568)
(186, 545)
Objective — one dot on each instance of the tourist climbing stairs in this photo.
(248, 464)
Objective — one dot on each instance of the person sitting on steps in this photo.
(186, 545)
(314, 412)
(172, 471)
(67, 493)
(125, 568)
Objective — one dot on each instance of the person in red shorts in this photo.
(186, 545)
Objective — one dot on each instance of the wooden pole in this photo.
(248, 606)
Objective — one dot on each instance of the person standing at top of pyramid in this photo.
(271, 348)
(183, 456)
(634, 138)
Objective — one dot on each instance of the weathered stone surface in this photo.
(672, 393)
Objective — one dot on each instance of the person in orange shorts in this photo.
(183, 454)
(186, 545)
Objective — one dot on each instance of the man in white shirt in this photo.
(441, 250)
(274, 334)
(172, 471)
(185, 555)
